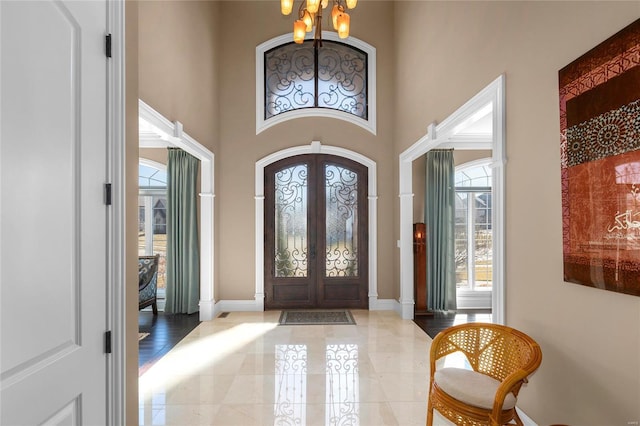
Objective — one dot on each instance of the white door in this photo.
(53, 218)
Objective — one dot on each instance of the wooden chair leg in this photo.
(154, 306)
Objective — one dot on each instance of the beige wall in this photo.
(240, 148)
(179, 64)
(159, 155)
(464, 156)
(446, 53)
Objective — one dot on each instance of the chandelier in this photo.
(310, 15)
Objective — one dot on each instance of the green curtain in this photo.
(439, 221)
(183, 257)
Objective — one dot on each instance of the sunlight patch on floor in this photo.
(190, 358)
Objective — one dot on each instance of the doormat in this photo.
(333, 317)
(142, 336)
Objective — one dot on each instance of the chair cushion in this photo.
(471, 387)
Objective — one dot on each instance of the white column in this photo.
(373, 250)
(259, 244)
(406, 239)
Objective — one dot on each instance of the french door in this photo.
(316, 243)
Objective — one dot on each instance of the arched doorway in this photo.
(316, 147)
(316, 239)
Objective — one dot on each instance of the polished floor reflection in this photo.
(246, 370)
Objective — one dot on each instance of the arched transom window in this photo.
(302, 76)
(334, 80)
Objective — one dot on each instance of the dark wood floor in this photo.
(165, 331)
(434, 324)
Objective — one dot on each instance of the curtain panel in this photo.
(183, 257)
(439, 220)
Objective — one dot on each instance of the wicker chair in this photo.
(501, 358)
(148, 282)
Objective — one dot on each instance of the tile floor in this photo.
(246, 370)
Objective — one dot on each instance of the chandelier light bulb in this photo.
(351, 3)
(343, 25)
(313, 5)
(337, 10)
(299, 31)
(325, 3)
(286, 6)
(308, 20)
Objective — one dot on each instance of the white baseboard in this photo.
(238, 306)
(211, 309)
(385, 305)
(525, 419)
(207, 310)
(256, 306)
(473, 299)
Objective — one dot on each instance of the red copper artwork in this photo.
(600, 160)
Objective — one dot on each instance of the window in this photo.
(473, 227)
(302, 76)
(336, 80)
(152, 215)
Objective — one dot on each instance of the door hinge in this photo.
(107, 342)
(108, 45)
(107, 194)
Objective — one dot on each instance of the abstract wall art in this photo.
(600, 164)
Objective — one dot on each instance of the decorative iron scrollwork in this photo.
(341, 221)
(303, 76)
(342, 79)
(291, 239)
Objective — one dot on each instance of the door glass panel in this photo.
(473, 238)
(462, 240)
(341, 195)
(152, 217)
(152, 230)
(291, 236)
(483, 242)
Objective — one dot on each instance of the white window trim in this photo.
(369, 124)
(473, 164)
